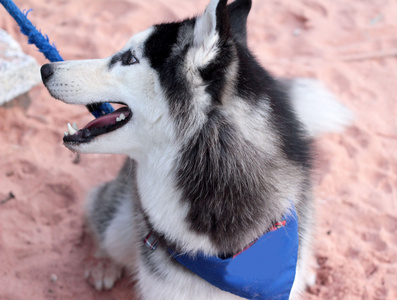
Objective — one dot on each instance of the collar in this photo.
(264, 270)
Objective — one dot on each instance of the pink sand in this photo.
(350, 45)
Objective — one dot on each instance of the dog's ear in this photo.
(214, 21)
(211, 30)
(238, 12)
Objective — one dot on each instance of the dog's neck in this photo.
(171, 211)
(162, 201)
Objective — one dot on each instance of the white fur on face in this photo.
(90, 81)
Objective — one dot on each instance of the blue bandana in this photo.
(265, 270)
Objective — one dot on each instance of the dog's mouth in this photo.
(98, 126)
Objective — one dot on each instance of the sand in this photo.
(350, 45)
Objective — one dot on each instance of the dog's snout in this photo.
(46, 72)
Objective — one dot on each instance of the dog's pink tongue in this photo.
(108, 119)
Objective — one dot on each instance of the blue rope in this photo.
(42, 42)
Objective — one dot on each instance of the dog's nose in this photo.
(46, 72)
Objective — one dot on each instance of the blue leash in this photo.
(43, 44)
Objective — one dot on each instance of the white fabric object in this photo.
(19, 72)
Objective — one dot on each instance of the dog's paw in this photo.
(102, 273)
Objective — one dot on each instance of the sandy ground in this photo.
(350, 45)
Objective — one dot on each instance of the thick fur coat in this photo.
(217, 148)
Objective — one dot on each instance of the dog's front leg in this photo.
(109, 214)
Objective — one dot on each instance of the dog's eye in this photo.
(128, 59)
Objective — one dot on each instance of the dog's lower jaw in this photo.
(76, 147)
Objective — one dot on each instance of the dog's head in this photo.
(169, 78)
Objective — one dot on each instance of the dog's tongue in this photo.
(108, 119)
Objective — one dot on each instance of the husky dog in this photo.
(218, 150)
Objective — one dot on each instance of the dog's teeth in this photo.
(74, 125)
(71, 129)
(120, 118)
(66, 133)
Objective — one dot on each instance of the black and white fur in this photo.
(218, 148)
